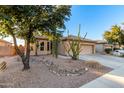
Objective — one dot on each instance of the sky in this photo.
(94, 20)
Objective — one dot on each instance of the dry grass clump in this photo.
(93, 64)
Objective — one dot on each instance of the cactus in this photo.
(73, 48)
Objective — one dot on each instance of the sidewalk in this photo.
(113, 79)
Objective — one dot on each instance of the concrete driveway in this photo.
(107, 60)
(113, 79)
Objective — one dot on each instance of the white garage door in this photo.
(87, 49)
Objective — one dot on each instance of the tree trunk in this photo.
(27, 54)
(25, 64)
(26, 59)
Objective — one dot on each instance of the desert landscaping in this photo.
(49, 72)
(40, 48)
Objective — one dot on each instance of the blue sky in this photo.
(94, 19)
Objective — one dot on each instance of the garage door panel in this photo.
(86, 49)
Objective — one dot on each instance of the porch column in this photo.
(45, 46)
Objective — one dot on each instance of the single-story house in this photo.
(87, 46)
(6, 48)
(44, 46)
(101, 45)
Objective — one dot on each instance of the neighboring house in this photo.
(6, 48)
(44, 46)
(101, 45)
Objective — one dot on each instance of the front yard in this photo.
(48, 72)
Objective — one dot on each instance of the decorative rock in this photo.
(54, 71)
(44, 60)
(63, 72)
(49, 63)
(86, 69)
(68, 74)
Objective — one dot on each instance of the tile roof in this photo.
(75, 37)
(65, 38)
(101, 41)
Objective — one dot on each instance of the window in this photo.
(48, 48)
(42, 46)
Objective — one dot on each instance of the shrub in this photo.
(116, 49)
(93, 64)
(122, 55)
(108, 50)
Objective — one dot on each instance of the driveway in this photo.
(107, 60)
(113, 79)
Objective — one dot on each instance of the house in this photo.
(101, 45)
(44, 46)
(6, 48)
(87, 46)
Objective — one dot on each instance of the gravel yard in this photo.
(40, 76)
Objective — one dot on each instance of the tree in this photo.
(73, 47)
(115, 35)
(24, 21)
(107, 36)
(55, 41)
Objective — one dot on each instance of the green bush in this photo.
(108, 50)
(116, 49)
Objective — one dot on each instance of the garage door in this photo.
(86, 49)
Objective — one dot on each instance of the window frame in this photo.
(42, 46)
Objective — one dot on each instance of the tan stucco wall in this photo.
(7, 51)
(84, 45)
(5, 44)
(61, 48)
(99, 48)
